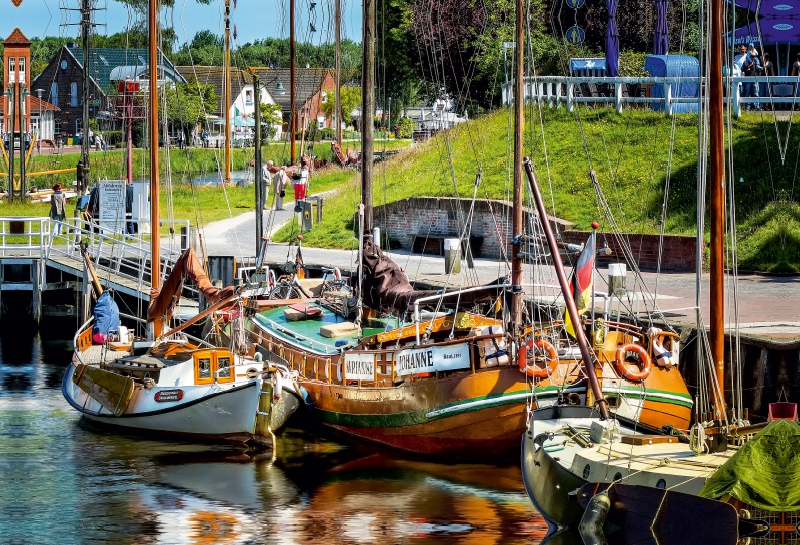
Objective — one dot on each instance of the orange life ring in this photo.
(534, 371)
(644, 362)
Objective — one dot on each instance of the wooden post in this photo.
(292, 98)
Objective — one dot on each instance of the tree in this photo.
(271, 119)
(351, 99)
(188, 103)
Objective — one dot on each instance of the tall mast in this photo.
(226, 77)
(86, 27)
(717, 215)
(338, 114)
(155, 257)
(367, 108)
(292, 105)
(516, 214)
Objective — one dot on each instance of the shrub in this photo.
(327, 134)
(404, 128)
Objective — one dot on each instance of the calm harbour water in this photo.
(63, 481)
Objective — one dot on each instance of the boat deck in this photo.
(306, 332)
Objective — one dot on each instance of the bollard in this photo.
(617, 279)
(452, 255)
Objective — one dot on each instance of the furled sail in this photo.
(386, 285)
(163, 301)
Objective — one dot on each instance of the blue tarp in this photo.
(661, 66)
(106, 314)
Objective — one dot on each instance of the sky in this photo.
(254, 19)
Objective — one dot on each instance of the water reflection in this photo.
(70, 482)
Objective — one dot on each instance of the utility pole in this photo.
(258, 174)
(338, 114)
(86, 29)
(292, 105)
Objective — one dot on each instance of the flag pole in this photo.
(595, 225)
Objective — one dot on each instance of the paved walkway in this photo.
(768, 306)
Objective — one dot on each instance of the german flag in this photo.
(582, 282)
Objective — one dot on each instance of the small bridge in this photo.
(40, 255)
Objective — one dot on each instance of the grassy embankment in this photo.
(630, 154)
(207, 204)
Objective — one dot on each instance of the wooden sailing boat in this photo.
(168, 384)
(567, 448)
(446, 383)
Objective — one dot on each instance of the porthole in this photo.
(618, 476)
(64, 64)
(586, 471)
(662, 484)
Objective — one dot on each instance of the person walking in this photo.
(266, 181)
(58, 206)
(279, 183)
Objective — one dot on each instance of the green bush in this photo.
(327, 134)
(405, 127)
(113, 138)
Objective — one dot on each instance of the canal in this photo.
(67, 482)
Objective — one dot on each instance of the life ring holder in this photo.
(550, 355)
(625, 370)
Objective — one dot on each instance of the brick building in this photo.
(61, 82)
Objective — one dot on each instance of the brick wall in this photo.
(411, 221)
(423, 221)
(678, 253)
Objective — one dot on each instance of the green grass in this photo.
(629, 154)
(770, 239)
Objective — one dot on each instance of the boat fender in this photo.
(252, 372)
(538, 345)
(277, 386)
(625, 370)
(591, 526)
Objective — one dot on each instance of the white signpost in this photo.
(359, 366)
(112, 205)
(429, 360)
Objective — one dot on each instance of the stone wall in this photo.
(420, 223)
(678, 253)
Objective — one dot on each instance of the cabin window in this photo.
(73, 94)
(204, 368)
(224, 367)
(54, 94)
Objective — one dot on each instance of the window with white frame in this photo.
(12, 70)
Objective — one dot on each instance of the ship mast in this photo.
(155, 257)
(516, 214)
(717, 212)
(338, 114)
(292, 98)
(367, 108)
(226, 82)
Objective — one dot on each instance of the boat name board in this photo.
(169, 395)
(434, 358)
(359, 366)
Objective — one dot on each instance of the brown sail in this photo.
(164, 300)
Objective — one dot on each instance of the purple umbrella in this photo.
(612, 40)
(661, 41)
